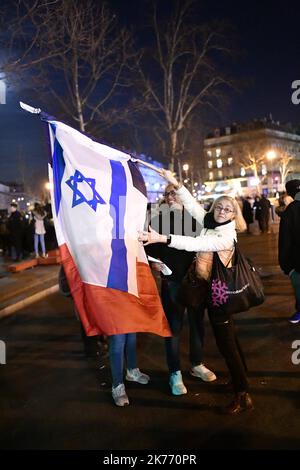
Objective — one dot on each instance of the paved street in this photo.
(52, 397)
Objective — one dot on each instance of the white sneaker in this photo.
(119, 395)
(135, 375)
(176, 384)
(203, 373)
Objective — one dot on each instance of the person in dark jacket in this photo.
(247, 213)
(174, 219)
(283, 201)
(289, 242)
(15, 225)
(262, 213)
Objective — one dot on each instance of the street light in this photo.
(185, 168)
(271, 154)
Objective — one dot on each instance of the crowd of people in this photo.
(22, 234)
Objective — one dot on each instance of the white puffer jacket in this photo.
(220, 239)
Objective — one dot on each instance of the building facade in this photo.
(14, 192)
(256, 157)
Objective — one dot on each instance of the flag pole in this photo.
(149, 165)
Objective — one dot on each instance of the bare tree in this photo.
(23, 25)
(285, 160)
(76, 53)
(253, 157)
(182, 77)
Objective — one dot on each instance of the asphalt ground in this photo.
(53, 397)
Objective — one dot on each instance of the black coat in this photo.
(289, 238)
(15, 225)
(175, 222)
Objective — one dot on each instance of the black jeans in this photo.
(229, 347)
(175, 315)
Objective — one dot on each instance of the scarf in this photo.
(209, 221)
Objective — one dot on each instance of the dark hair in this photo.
(39, 209)
(13, 204)
(292, 187)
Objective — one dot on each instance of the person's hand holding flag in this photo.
(147, 238)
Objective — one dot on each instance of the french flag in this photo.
(99, 205)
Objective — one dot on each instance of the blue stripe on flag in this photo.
(118, 271)
(58, 165)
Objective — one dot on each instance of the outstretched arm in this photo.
(208, 243)
(188, 201)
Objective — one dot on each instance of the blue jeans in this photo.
(175, 315)
(36, 243)
(295, 279)
(119, 345)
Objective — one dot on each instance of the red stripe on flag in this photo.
(109, 311)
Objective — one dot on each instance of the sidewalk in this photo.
(20, 289)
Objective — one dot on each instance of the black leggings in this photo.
(229, 347)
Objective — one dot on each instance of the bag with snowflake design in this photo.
(234, 289)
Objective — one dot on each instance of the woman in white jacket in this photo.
(39, 229)
(220, 226)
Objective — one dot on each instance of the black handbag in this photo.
(193, 290)
(235, 289)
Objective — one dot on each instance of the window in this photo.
(263, 169)
(219, 163)
(243, 171)
(209, 154)
(210, 164)
(211, 175)
(230, 160)
(220, 174)
(218, 152)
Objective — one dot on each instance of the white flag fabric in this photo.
(99, 205)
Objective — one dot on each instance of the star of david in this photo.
(78, 197)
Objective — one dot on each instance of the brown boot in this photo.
(242, 402)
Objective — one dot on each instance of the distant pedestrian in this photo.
(289, 242)
(262, 207)
(4, 235)
(247, 212)
(283, 201)
(15, 225)
(39, 215)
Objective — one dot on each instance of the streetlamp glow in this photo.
(48, 186)
(271, 154)
(185, 167)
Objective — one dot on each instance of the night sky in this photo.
(268, 38)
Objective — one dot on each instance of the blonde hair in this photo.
(240, 223)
